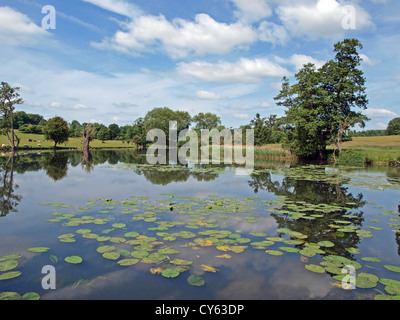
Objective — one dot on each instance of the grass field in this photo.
(373, 149)
(38, 141)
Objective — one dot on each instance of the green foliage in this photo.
(206, 121)
(320, 105)
(103, 134)
(56, 129)
(393, 127)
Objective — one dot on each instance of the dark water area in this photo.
(282, 231)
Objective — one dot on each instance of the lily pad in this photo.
(10, 275)
(315, 268)
(73, 259)
(111, 255)
(392, 268)
(170, 273)
(38, 249)
(197, 281)
(104, 249)
(119, 225)
(10, 296)
(128, 262)
(8, 265)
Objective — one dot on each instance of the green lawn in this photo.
(38, 141)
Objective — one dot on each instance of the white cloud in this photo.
(244, 70)
(367, 60)
(121, 7)
(252, 10)
(273, 33)
(321, 19)
(180, 37)
(241, 116)
(379, 112)
(18, 29)
(202, 94)
(299, 60)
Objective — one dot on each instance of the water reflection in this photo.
(300, 193)
(8, 199)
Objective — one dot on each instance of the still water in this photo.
(285, 231)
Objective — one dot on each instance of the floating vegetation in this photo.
(174, 234)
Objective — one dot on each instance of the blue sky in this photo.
(111, 61)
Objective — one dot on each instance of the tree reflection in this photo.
(8, 199)
(56, 165)
(303, 192)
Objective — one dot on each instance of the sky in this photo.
(111, 61)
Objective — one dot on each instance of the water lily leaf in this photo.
(289, 249)
(73, 259)
(11, 257)
(119, 225)
(315, 268)
(104, 249)
(8, 265)
(139, 254)
(274, 252)
(238, 249)
(208, 268)
(258, 234)
(224, 256)
(128, 262)
(132, 234)
(371, 259)
(170, 273)
(83, 231)
(10, 296)
(111, 255)
(10, 275)
(38, 249)
(392, 268)
(194, 280)
(117, 239)
(390, 282)
(181, 262)
(156, 270)
(366, 280)
(326, 244)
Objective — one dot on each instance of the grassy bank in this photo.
(374, 150)
(37, 141)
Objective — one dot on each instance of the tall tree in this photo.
(206, 120)
(393, 127)
(320, 105)
(9, 97)
(56, 129)
(345, 84)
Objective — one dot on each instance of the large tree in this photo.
(56, 129)
(345, 84)
(393, 127)
(9, 97)
(160, 118)
(320, 106)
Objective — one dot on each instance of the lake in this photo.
(114, 227)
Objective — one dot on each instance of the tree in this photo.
(103, 134)
(114, 131)
(75, 129)
(56, 129)
(345, 84)
(160, 118)
(9, 97)
(206, 121)
(87, 135)
(393, 127)
(320, 105)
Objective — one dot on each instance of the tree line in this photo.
(321, 108)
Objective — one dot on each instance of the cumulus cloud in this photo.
(321, 19)
(252, 10)
(244, 70)
(202, 94)
(121, 7)
(18, 29)
(299, 60)
(379, 112)
(181, 37)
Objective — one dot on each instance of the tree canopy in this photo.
(393, 127)
(56, 129)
